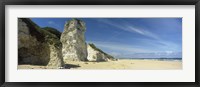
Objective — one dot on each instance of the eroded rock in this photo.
(37, 46)
(73, 41)
(97, 55)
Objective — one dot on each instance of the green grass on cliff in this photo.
(41, 34)
(53, 31)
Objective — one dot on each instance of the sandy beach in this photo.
(120, 64)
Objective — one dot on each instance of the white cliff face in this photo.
(56, 59)
(31, 50)
(73, 41)
(95, 55)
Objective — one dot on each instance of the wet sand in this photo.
(120, 64)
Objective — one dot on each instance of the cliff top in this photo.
(41, 34)
(53, 31)
(80, 24)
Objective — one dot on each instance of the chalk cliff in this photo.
(73, 41)
(95, 54)
(47, 46)
(37, 46)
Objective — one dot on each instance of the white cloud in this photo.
(124, 50)
(50, 22)
(130, 28)
(143, 32)
(162, 47)
(53, 23)
(136, 30)
(170, 45)
(120, 47)
(160, 44)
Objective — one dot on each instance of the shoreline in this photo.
(120, 64)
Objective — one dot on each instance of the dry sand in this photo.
(120, 64)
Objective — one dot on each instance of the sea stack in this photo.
(73, 42)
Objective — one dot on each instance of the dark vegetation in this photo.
(41, 34)
(53, 31)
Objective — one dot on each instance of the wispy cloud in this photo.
(170, 45)
(53, 24)
(120, 47)
(138, 47)
(123, 50)
(130, 28)
(143, 32)
(158, 44)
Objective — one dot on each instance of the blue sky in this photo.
(129, 37)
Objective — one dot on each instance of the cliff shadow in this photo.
(69, 66)
(31, 56)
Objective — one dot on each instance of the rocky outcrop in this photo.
(95, 54)
(47, 46)
(73, 41)
(37, 46)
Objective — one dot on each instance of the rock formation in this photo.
(47, 46)
(95, 54)
(73, 41)
(37, 46)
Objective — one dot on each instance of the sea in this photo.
(157, 59)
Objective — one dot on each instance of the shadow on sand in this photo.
(68, 66)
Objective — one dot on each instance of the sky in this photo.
(129, 37)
